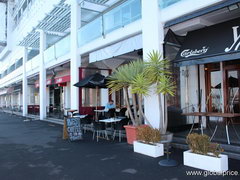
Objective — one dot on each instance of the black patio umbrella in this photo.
(232, 82)
(95, 81)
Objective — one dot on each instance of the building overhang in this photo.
(57, 22)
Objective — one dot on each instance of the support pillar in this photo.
(75, 57)
(42, 76)
(152, 37)
(24, 85)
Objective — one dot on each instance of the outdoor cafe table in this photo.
(80, 116)
(111, 120)
(72, 111)
(228, 118)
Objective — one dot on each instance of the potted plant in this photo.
(139, 76)
(126, 77)
(158, 73)
(204, 155)
(148, 142)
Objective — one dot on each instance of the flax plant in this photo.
(158, 73)
(139, 76)
(122, 78)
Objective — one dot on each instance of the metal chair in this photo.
(119, 127)
(99, 128)
(87, 122)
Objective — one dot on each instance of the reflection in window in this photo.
(233, 91)
(215, 95)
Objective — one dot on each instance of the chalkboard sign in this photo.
(74, 129)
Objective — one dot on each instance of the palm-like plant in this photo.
(139, 76)
(158, 73)
(140, 87)
(123, 78)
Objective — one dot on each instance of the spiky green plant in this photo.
(139, 76)
(122, 78)
(140, 86)
(158, 73)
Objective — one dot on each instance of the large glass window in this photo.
(233, 90)
(214, 100)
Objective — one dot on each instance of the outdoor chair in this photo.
(87, 122)
(122, 112)
(119, 127)
(111, 113)
(99, 128)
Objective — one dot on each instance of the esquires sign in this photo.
(74, 129)
(215, 40)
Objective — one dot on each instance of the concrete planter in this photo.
(204, 162)
(148, 149)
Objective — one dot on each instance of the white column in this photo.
(67, 95)
(75, 57)
(19, 99)
(47, 99)
(42, 76)
(152, 37)
(24, 85)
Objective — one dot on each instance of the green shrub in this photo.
(148, 135)
(200, 144)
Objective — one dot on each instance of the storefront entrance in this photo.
(223, 98)
(209, 81)
(55, 101)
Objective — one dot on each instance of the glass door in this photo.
(233, 93)
(214, 94)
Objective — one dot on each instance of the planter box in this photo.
(131, 133)
(147, 149)
(208, 163)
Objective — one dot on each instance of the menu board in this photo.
(74, 129)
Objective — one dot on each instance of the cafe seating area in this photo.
(104, 124)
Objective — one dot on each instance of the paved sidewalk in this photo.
(35, 151)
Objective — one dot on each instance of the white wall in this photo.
(189, 88)
(2, 22)
(67, 96)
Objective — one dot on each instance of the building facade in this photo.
(47, 46)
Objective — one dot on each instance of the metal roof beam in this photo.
(97, 3)
(92, 10)
(55, 33)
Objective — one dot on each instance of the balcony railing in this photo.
(122, 15)
(163, 3)
(57, 50)
(118, 17)
(90, 31)
(33, 63)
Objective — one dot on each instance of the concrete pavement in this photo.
(34, 150)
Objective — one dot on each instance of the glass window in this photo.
(233, 91)
(165, 3)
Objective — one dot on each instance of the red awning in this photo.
(63, 79)
(58, 80)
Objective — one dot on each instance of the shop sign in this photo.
(236, 40)
(219, 39)
(49, 81)
(197, 52)
(62, 79)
